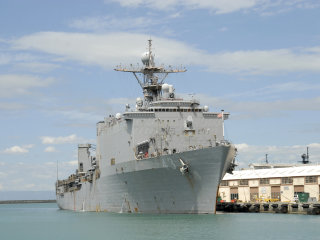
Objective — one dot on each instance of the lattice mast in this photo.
(150, 77)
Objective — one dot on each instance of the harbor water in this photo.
(46, 222)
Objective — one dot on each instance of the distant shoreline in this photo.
(26, 201)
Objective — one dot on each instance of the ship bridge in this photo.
(176, 105)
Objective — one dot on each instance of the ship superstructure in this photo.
(166, 155)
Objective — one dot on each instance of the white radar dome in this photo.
(165, 87)
(118, 116)
(145, 58)
(171, 89)
(139, 102)
(205, 108)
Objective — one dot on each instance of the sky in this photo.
(257, 59)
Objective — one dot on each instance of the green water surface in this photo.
(46, 222)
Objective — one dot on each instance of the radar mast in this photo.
(150, 77)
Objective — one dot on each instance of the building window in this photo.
(311, 179)
(264, 181)
(286, 180)
(224, 183)
(243, 182)
(113, 161)
(234, 196)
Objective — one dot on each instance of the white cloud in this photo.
(217, 6)
(6, 58)
(263, 61)
(79, 115)
(277, 89)
(26, 62)
(120, 101)
(223, 29)
(266, 7)
(242, 146)
(36, 67)
(314, 145)
(18, 149)
(276, 154)
(72, 163)
(50, 149)
(11, 106)
(252, 109)
(110, 22)
(61, 140)
(109, 49)
(12, 85)
(29, 186)
(272, 7)
(50, 163)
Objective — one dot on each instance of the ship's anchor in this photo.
(185, 168)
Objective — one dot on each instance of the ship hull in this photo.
(155, 185)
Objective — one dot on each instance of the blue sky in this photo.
(257, 59)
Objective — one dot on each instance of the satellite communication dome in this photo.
(165, 87)
(139, 102)
(145, 58)
(171, 89)
(205, 108)
(118, 116)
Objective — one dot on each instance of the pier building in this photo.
(283, 184)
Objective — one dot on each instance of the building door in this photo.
(275, 192)
(298, 189)
(254, 194)
(234, 194)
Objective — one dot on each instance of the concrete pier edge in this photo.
(274, 207)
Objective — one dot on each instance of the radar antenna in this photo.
(150, 77)
(305, 157)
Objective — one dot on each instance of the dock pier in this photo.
(275, 207)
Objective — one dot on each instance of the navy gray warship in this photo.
(166, 155)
